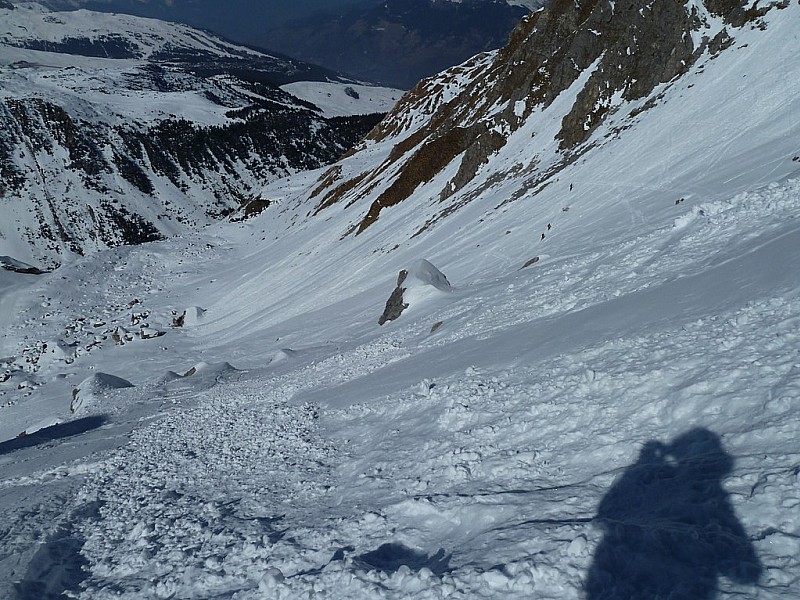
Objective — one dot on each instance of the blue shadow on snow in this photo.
(52, 433)
(57, 569)
(390, 557)
(670, 529)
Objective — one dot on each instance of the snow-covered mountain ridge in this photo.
(398, 41)
(118, 129)
(591, 390)
(615, 61)
(33, 26)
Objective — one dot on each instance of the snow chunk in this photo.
(210, 369)
(703, 210)
(281, 356)
(423, 273)
(93, 389)
(189, 317)
(421, 281)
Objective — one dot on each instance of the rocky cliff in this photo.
(567, 71)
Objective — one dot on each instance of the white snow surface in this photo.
(146, 37)
(337, 99)
(629, 401)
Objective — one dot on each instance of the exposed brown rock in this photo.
(630, 48)
(395, 305)
(530, 262)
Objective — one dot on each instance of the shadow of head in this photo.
(390, 557)
(701, 451)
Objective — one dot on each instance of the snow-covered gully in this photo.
(423, 465)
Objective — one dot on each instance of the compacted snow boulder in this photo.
(420, 281)
(95, 388)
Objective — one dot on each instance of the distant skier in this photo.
(670, 530)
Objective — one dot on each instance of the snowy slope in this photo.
(124, 130)
(32, 25)
(623, 409)
(337, 99)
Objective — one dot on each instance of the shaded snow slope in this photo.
(617, 417)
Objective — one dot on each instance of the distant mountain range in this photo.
(394, 41)
(399, 41)
(117, 129)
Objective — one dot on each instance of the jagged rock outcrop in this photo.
(395, 305)
(596, 58)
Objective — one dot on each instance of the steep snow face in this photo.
(175, 132)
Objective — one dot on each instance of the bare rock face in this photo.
(395, 305)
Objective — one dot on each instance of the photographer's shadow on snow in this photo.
(670, 529)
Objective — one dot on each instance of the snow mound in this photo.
(422, 273)
(190, 317)
(420, 282)
(281, 356)
(94, 389)
(210, 369)
(199, 377)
